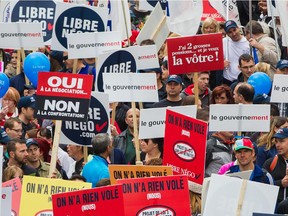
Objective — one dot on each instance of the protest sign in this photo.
(74, 18)
(209, 11)
(279, 89)
(125, 61)
(185, 145)
(16, 186)
(6, 202)
(21, 35)
(151, 4)
(31, 12)
(155, 28)
(63, 96)
(131, 87)
(271, 8)
(81, 133)
(96, 201)
(195, 53)
(131, 171)
(241, 175)
(239, 117)
(262, 214)
(224, 195)
(152, 121)
(91, 45)
(36, 194)
(156, 196)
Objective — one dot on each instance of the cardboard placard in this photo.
(279, 89)
(81, 133)
(63, 96)
(96, 201)
(195, 53)
(75, 18)
(239, 117)
(21, 35)
(131, 171)
(131, 87)
(185, 145)
(6, 202)
(156, 196)
(36, 193)
(16, 186)
(152, 121)
(90, 45)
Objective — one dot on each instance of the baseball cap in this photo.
(30, 142)
(283, 63)
(243, 144)
(175, 78)
(28, 101)
(230, 24)
(4, 138)
(282, 133)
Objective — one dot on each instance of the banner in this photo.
(81, 133)
(63, 96)
(91, 45)
(156, 196)
(258, 197)
(16, 186)
(155, 28)
(42, 12)
(36, 197)
(279, 89)
(195, 53)
(6, 202)
(185, 145)
(21, 35)
(73, 18)
(239, 117)
(133, 171)
(126, 60)
(106, 200)
(152, 121)
(131, 87)
(209, 11)
(282, 7)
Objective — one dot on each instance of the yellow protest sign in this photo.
(134, 171)
(36, 196)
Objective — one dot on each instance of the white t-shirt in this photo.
(235, 50)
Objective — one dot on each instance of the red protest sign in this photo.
(63, 96)
(156, 196)
(210, 11)
(16, 194)
(195, 53)
(185, 145)
(96, 201)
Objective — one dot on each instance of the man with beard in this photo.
(203, 90)
(18, 154)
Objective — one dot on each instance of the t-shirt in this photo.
(167, 103)
(236, 49)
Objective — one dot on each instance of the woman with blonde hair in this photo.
(266, 144)
(263, 67)
(9, 105)
(209, 26)
(12, 172)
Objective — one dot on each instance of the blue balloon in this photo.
(261, 83)
(35, 62)
(4, 84)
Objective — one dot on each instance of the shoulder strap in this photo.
(273, 163)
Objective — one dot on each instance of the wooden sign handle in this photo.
(56, 140)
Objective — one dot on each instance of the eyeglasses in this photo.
(248, 67)
(65, 58)
(17, 131)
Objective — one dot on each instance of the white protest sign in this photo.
(272, 8)
(241, 175)
(224, 192)
(75, 18)
(152, 121)
(280, 89)
(6, 203)
(239, 117)
(155, 28)
(98, 121)
(91, 45)
(21, 35)
(131, 87)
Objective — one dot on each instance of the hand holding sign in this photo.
(34, 63)
(4, 84)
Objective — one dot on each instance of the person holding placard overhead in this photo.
(245, 154)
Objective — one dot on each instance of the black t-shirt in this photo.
(166, 103)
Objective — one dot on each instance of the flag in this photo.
(184, 16)
(282, 7)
